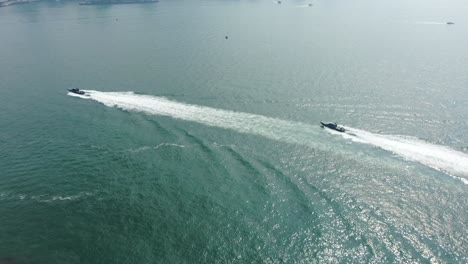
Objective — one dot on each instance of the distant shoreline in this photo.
(117, 2)
(105, 2)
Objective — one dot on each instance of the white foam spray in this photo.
(78, 95)
(435, 156)
(442, 158)
(430, 23)
(276, 129)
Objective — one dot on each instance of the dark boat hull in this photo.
(76, 91)
(333, 127)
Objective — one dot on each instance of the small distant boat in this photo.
(279, 2)
(76, 91)
(333, 126)
(310, 5)
(450, 23)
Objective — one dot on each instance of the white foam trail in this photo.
(430, 23)
(78, 95)
(439, 157)
(276, 129)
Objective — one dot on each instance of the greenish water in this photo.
(192, 148)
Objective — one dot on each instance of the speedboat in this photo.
(76, 91)
(333, 126)
(450, 23)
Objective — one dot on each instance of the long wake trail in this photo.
(435, 156)
(276, 129)
(447, 160)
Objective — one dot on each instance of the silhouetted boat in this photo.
(76, 91)
(333, 126)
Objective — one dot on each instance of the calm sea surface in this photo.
(192, 148)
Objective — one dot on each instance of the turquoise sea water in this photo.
(192, 148)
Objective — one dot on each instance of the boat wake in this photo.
(442, 158)
(78, 95)
(276, 129)
(303, 6)
(430, 23)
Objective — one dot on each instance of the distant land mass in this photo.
(111, 2)
(4, 3)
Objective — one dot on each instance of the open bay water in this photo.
(190, 147)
